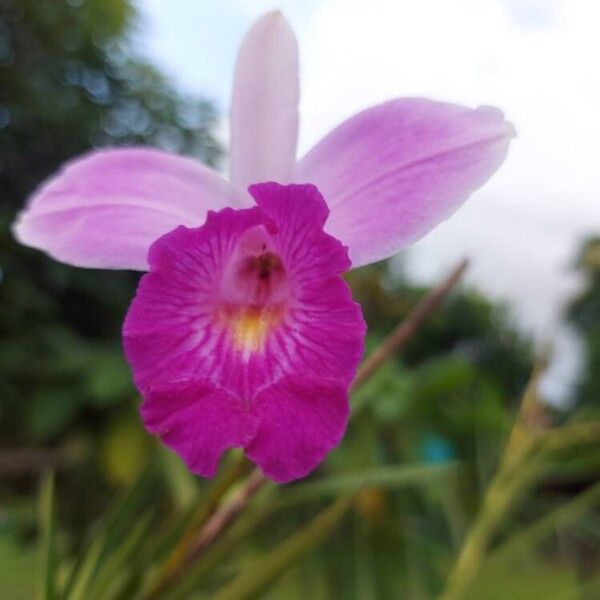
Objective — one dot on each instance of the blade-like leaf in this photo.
(84, 574)
(182, 485)
(259, 575)
(161, 558)
(272, 499)
(392, 476)
(232, 539)
(109, 534)
(48, 552)
(116, 567)
(523, 542)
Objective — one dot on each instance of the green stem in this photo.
(178, 559)
(522, 464)
(257, 576)
(48, 559)
(526, 540)
(501, 496)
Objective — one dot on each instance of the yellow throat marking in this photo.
(250, 326)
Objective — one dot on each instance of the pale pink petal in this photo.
(264, 105)
(394, 171)
(106, 208)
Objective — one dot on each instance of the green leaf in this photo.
(111, 532)
(392, 476)
(50, 412)
(86, 571)
(525, 580)
(260, 574)
(48, 552)
(17, 562)
(168, 549)
(180, 482)
(522, 544)
(107, 377)
(124, 449)
(116, 567)
(232, 539)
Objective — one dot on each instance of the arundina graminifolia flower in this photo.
(243, 333)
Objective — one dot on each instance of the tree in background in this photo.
(584, 313)
(70, 81)
(450, 392)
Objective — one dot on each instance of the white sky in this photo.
(535, 59)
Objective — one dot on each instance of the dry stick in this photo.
(225, 515)
(25, 461)
(409, 326)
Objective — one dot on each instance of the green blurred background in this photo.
(70, 80)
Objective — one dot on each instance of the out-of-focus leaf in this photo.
(111, 531)
(116, 566)
(257, 576)
(107, 377)
(48, 550)
(169, 548)
(86, 570)
(162, 551)
(522, 543)
(393, 476)
(232, 539)
(525, 580)
(365, 575)
(388, 391)
(125, 449)
(17, 563)
(51, 410)
(181, 483)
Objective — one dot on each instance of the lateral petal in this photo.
(106, 208)
(394, 171)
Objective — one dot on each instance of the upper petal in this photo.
(264, 105)
(394, 171)
(106, 208)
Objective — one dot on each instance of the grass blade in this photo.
(259, 575)
(48, 552)
(570, 512)
(392, 476)
(108, 537)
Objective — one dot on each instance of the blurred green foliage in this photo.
(584, 314)
(423, 449)
(69, 81)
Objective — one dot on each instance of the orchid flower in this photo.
(243, 333)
